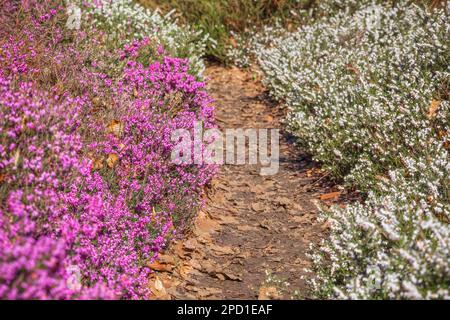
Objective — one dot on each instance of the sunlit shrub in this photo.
(366, 87)
(124, 21)
(88, 194)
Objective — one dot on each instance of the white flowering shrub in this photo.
(359, 87)
(244, 52)
(125, 21)
(366, 88)
(396, 245)
(248, 44)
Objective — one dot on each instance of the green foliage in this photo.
(221, 18)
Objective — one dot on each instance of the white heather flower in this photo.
(358, 83)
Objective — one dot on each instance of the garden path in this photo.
(252, 237)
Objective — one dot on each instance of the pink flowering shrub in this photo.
(39, 160)
(88, 193)
(155, 101)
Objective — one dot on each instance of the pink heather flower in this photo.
(59, 210)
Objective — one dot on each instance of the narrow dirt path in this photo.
(250, 240)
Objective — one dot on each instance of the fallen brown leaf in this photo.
(303, 219)
(284, 201)
(190, 244)
(268, 293)
(258, 207)
(433, 108)
(184, 271)
(195, 264)
(230, 276)
(115, 127)
(330, 195)
(258, 189)
(208, 267)
(166, 259)
(207, 292)
(246, 228)
(112, 160)
(162, 267)
(228, 220)
(178, 249)
(97, 163)
(265, 224)
(204, 225)
(226, 250)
